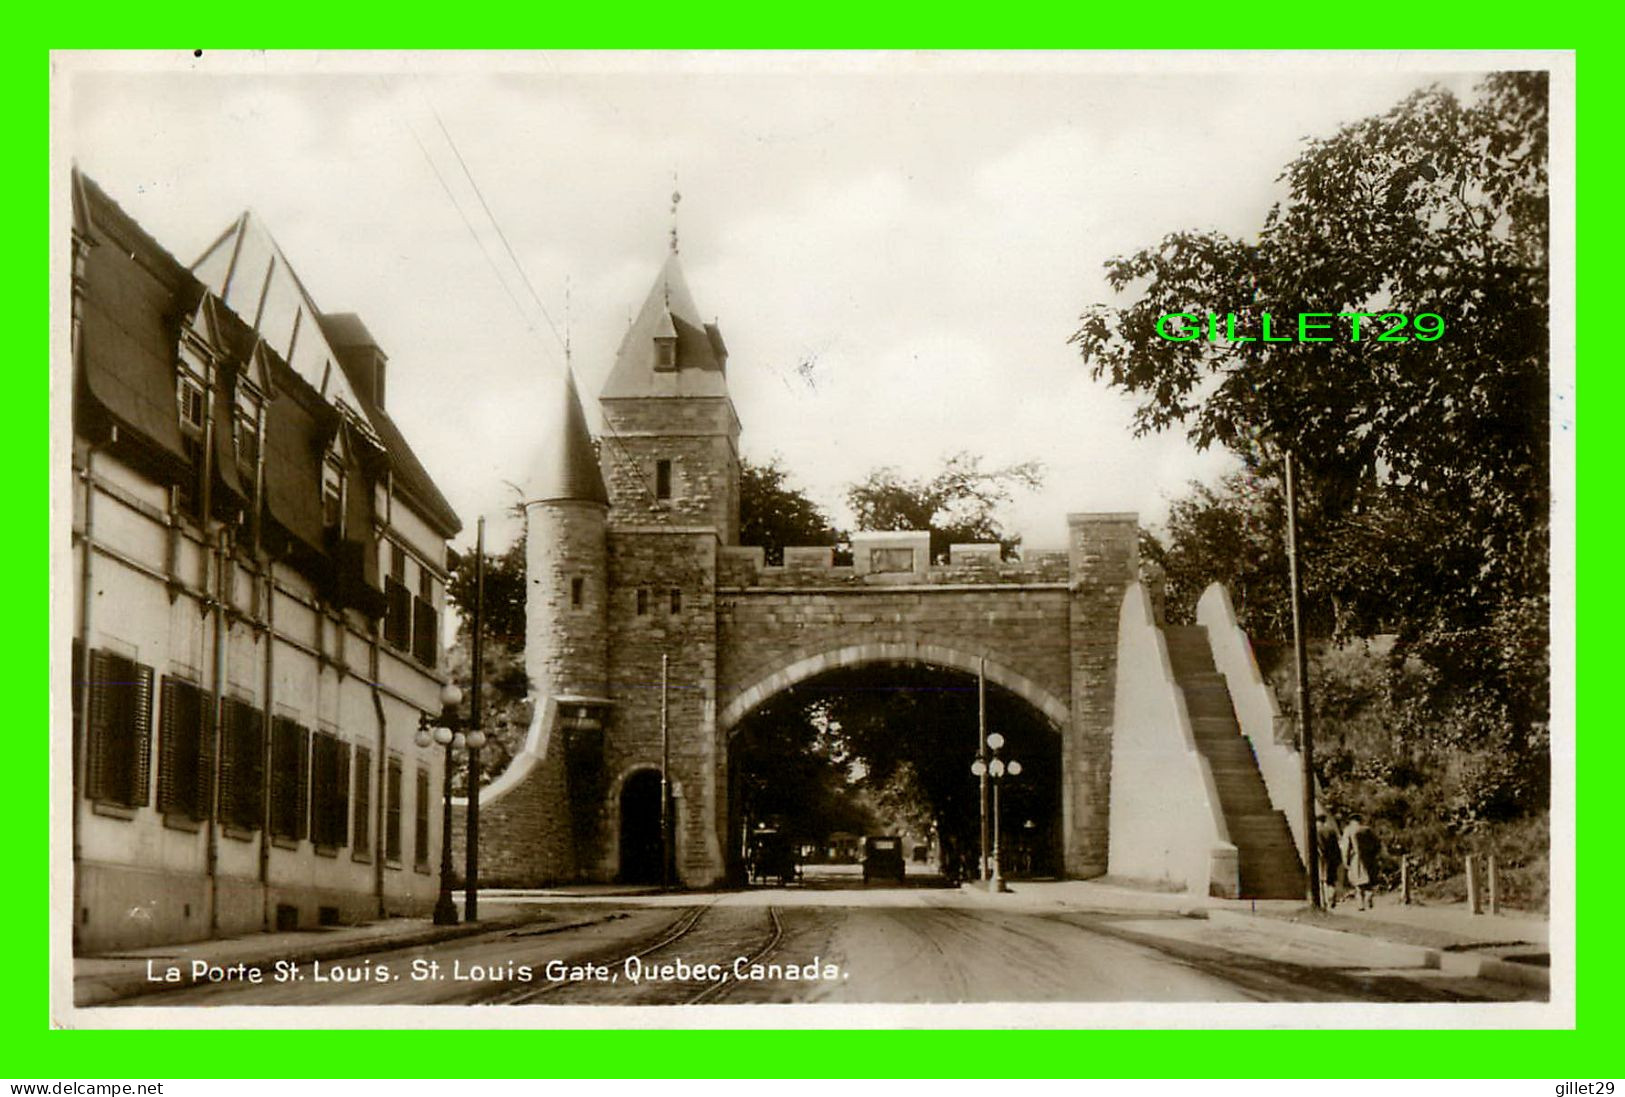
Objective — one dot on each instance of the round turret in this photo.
(566, 565)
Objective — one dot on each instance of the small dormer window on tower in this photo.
(666, 343)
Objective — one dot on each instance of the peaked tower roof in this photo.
(566, 467)
(669, 311)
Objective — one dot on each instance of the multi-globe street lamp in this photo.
(447, 732)
(998, 769)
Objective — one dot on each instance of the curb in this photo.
(1472, 965)
(103, 990)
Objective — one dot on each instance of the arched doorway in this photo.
(641, 839)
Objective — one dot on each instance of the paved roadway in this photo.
(826, 941)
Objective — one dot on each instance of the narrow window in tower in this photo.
(676, 600)
(663, 480)
(643, 601)
(578, 592)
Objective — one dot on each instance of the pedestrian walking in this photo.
(1329, 844)
(1360, 846)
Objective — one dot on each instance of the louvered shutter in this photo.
(140, 732)
(250, 776)
(168, 749)
(77, 673)
(100, 723)
(341, 800)
(203, 722)
(230, 808)
(302, 785)
(363, 797)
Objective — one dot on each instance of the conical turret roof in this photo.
(669, 311)
(566, 468)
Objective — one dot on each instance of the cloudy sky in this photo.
(896, 246)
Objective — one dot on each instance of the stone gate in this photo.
(643, 613)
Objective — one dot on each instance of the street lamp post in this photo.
(444, 731)
(996, 768)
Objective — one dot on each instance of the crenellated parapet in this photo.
(879, 560)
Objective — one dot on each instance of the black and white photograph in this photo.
(830, 539)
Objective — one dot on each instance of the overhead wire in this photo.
(610, 432)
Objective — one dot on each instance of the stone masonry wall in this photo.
(762, 630)
(659, 563)
(1105, 559)
(564, 642)
(526, 836)
(700, 438)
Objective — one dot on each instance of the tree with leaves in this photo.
(773, 513)
(1424, 464)
(959, 505)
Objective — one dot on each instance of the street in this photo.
(827, 941)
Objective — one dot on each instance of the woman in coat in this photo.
(1360, 848)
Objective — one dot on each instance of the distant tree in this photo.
(504, 594)
(773, 513)
(958, 505)
(504, 692)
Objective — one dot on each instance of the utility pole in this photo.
(471, 864)
(1306, 749)
(981, 751)
(665, 795)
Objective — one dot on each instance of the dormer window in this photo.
(245, 430)
(189, 401)
(666, 343)
(333, 494)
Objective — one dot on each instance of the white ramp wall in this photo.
(1165, 820)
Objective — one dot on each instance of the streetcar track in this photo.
(672, 933)
(773, 941)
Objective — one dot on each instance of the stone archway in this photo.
(1045, 715)
(749, 698)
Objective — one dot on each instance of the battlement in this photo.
(887, 559)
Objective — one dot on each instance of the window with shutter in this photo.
(425, 630)
(77, 673)
(290, 778)
(392, 810)
(330, 790)
(242, 765)
(185, 749)
(119, 740)
(420, 847)
(363, 800)
(397, 614)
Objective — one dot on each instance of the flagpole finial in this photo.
(676, 197)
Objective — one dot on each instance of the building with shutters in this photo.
(260, 567)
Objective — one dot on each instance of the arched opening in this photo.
(853, 750)
(641, 839)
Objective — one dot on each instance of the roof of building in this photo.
(410, 475)
(566, 468)
(345, 329)
(248, 270)
(701, 356)
(136, 299)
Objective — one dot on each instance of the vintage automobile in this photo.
(773, 854)
(883, 858)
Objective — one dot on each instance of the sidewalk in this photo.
(1510, 947)
(1513, 947)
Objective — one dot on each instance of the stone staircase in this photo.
(1270, 867)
